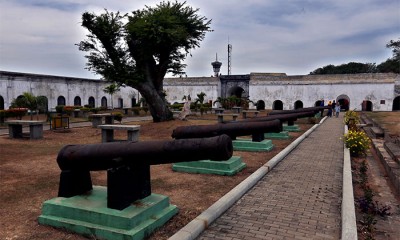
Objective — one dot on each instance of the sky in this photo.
(267, 36)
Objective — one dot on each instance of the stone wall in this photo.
(176, 88)
(379, 89)
(14, 84)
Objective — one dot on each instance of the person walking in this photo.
(321, 103)
(330, 109)
(333, 107)
(337, 109)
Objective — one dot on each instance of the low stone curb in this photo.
(349, 226)
(194, 228)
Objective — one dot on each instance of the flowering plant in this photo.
(16, 112)
(351, 115)
(357, 142)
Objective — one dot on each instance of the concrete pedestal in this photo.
(280, 135)
(36, 131)
(250, 146)
(229, 167)
(89, 215)
(291, 128)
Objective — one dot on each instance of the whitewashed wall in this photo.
(13, 85)
(262, 86)
(310, 88)
(176, 88)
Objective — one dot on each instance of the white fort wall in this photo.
(310, 88)
(177, 88)
(380, 89)
(13, 85)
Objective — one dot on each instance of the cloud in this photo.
(295, 37)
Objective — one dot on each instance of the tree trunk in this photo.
(157, 104)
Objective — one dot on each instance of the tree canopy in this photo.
(139, 48)
(29, 101)
(390, 65)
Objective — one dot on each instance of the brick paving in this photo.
(299, 199)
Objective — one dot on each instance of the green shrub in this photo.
(60, 108)
(357, 142)
(136, 110)
(117, 116)
(94, 110)
(351, 116)
(177, 106)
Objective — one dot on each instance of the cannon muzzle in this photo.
(299, 110)
(289, 117)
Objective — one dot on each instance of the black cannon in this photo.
(128, 164)
(256, 129)
(300, 110)
(289, 118)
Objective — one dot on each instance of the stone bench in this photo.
(218, 110)
(221, 117)
(107, 132)
(35, 128)
(236, 109)
(244, 113)
(97, 119)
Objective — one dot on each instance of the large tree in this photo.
(29, 101)
(390, 65)
(139, 48)
(347, 68)
(112, 89)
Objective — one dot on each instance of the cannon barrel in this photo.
(290, 117)
(232, 130)
(300, 110)
(93, 157)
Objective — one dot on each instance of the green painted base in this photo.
(229, 167)
(89, 215)
(280, 135)
(293, 128)
(250, 146)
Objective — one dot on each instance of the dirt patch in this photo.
(30, 175)
(384, 199)
(387, 120)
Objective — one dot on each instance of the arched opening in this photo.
(61, 100)
(318, 103)
(396, 103)
(236, 91)
(366, 106)
(277, 105)
(43, 105)
(77, 101)
(91, 102)
(260, 105)
(104, 102)
(1, 103)
(120, 103)
(133, 102)
(298, 104)
(344, 102)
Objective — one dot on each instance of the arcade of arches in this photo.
(343, 100)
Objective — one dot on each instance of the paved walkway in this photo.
(299, 199)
